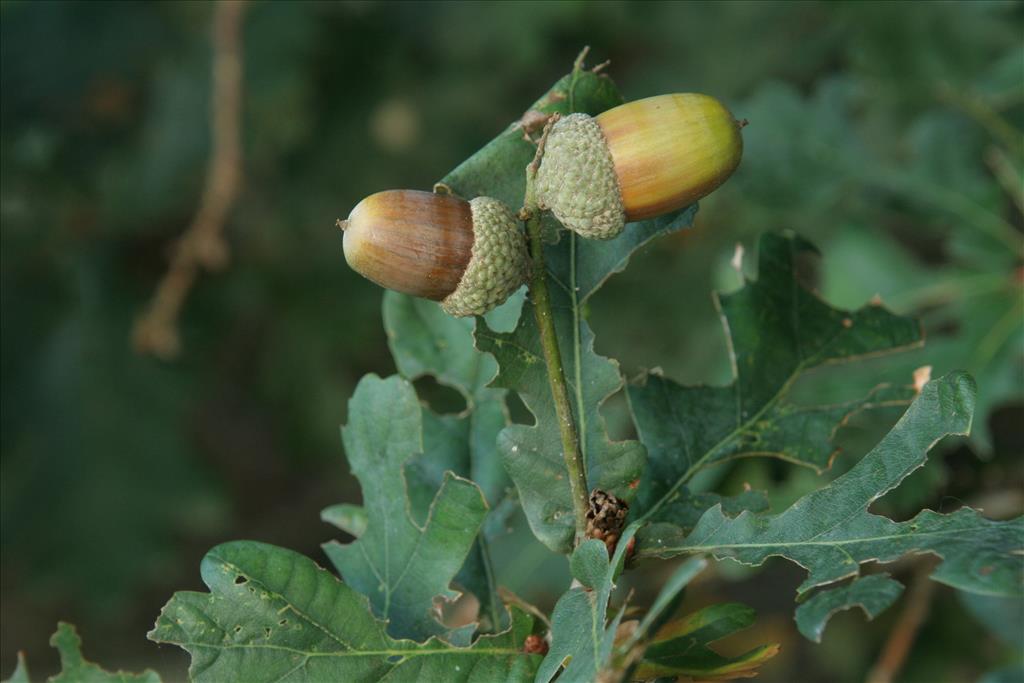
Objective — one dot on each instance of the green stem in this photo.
(997, 335)
(986, 115)
(556, 378)
(1007, 175)
(548, 335)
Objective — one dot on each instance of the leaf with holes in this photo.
(830, 531)
(873, 594)
(272, 615)
(400, 563)
(424, 340)
(778, 330)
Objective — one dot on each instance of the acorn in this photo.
(636, 161)
(470, 256)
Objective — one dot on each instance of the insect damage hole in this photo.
(441, 398)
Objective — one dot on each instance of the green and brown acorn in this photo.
(468, 255)
(636, 161)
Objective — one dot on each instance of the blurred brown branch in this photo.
(904, 632)
(203, 244)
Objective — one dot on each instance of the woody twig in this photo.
(202, 246)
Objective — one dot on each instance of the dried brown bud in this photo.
(535, 645)
(606, 518)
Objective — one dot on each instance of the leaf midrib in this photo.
(404, 654)
(724, 441)
(809, 362)
(791, 544)
(581, 414)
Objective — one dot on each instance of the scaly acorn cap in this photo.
(470, 256)
(636, 161)
(576, 179)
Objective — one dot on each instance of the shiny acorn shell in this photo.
(636, 161)
(413, 242)
(470, 256)
(670, 150)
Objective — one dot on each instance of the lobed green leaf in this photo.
(398, 563)
(778, 330)
(830, 531)
(425, 340)
(873, 594)
(74, 668)
(272, 615)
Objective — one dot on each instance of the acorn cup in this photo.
(470, 256)
(636, 161)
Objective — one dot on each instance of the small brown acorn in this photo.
(470, 256)
(636, 161)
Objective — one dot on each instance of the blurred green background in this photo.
(887, 133)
